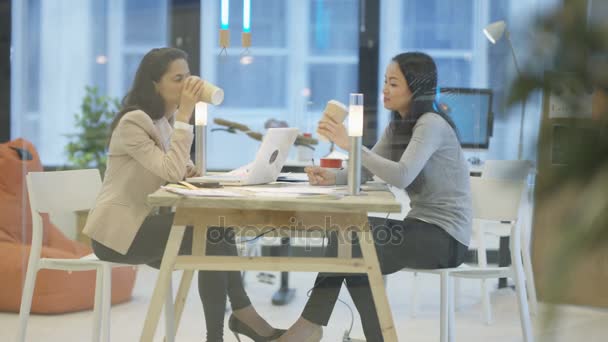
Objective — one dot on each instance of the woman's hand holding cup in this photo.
(191, 93)
(334, 111)
(336, 132)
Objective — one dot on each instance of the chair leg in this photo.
(526, 232)
(26, 296)
(520, 287)
(522, 300)
(106, 300)
(530, 286)
(456, 296)
(451, 308)
(482, 259)
(444, 324)
(414, 296)
(98, 305)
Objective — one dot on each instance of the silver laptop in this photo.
(269, 161)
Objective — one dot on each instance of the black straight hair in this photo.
(143, 94)
(420, 73)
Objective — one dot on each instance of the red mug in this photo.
(332, 163)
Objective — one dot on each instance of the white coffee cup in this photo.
(212, 94)
(334, 110)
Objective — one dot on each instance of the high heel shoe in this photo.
(237, 327)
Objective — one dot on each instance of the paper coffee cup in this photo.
(335, 110)
(212, 94)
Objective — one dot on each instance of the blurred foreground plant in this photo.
(573, 196)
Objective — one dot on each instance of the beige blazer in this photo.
(141, 158)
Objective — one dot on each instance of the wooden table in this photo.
(303, 216)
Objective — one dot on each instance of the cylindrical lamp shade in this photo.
(246, 39)
(355, 115)
(200, 114)
(224, 38)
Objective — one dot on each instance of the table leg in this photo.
(162, 283)
(180, 298)
(199, 244)
(377, 285)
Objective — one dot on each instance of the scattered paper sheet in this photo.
(275, 190)
(294, 189)
(203, 192)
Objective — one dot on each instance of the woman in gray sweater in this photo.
(420, 153)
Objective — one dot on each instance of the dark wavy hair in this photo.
(420, 73)
(143, 94)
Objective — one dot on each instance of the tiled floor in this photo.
(574, 324)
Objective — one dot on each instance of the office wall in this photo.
(5, 70)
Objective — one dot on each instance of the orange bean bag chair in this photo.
(56, 291)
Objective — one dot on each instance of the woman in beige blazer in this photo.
(149, 146)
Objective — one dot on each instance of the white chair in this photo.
(517, 170)
(58, 193)
(498, 201)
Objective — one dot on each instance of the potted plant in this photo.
(87, 147)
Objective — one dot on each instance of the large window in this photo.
(60, 47)
(304, 53)
(449, 31)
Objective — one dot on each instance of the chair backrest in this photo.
(516, 170)
(496, 199)
(506, 169)
(60, 194)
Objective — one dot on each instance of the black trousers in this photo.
(410, 243)
(213, 286)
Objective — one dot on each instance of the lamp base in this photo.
(354, 166)
(200, 155)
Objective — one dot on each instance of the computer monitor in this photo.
(471, 110)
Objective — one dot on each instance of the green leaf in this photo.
(86, 147)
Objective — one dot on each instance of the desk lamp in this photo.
(355, 132)
(494, 32)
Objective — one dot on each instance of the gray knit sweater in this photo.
(433, 172)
